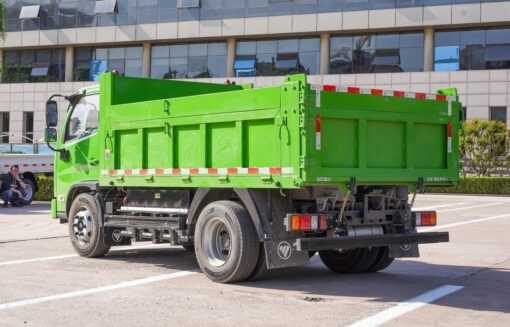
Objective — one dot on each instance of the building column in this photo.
(69, 64)
(324, 61)
(428, 49)
(1, 64)
(146, 60)
(231, 56)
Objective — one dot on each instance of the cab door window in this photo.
(84, 120)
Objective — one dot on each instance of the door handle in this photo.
(93, 161)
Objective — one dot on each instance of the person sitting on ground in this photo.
(13, 189)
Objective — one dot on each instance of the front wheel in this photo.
(84, 227)
(226, 242)
(28, 192)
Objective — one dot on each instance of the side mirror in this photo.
(50, 135)
(51, 114)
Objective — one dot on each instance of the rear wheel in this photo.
(382, 261)
(85, 230)
(226, 242)
(28, 192)
(349, 261)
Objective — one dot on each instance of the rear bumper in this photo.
(350, 242)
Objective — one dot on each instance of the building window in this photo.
(198, 60)
(105, 7)
(28, 127)
(472, 50)
(382, 53)
(4, 127)
(463, 114)
(89, 63)
(33, 66)
(277, 57)
(498, 113)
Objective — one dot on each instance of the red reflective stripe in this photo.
(318, 123)
(232, 170)
(421, 96)
(212, 170)
(253, 170)
(275, 170)
(353, 90)
(160, 171)
(329, 88)
(400, 94)
(176, 171)
(376, 92)
(440, 97)
(449, 129)
(193, 171)
(113, 172)
(142, 171)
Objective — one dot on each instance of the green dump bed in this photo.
(161, 133)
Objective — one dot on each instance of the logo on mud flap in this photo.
(405, 247)
(284, 250)
(117, 236)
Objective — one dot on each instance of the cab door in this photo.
(78, 159)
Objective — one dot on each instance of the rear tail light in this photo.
(303, 222)
(425, 218)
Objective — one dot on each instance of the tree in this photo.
(484, 146)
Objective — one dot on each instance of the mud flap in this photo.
(283, 253)
(113, 237)
(404, 251)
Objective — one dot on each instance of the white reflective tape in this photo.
(318, 98)
(264, 170)
(184, 171)
(449, 107)
(430, 97)
(242, 170)
(318, 140)
(223, 171)
(315, 87)
(168, 171)
(136, 172)
(449, 145)
(287, 170)
(365, 91)
(387, 93)
(120, 172)
(203, 171)
(410, 95)
(151, 171)
(104, 172)
(341, 89)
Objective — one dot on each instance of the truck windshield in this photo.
(84, 119)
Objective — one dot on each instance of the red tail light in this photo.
(306, 222)
(425, 218)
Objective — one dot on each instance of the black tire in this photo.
(382, 261)
(260, 272)
(349, 261)
(226, 242)
(188, 246)
(31, 188)
(84, 218)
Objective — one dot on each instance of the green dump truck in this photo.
(252, 179)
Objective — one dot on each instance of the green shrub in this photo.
(477, 185)
(45, 192)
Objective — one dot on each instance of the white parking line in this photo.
(439, 206)
(407, 306)
(464, 223)
(89, 291)
(471, 207)
(65, 256)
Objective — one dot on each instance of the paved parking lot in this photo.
(462, 283)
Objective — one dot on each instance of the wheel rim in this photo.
(83, 225)
(29, 191)
(216, 242)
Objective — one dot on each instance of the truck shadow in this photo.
(485, 289)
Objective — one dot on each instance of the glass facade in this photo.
(45, 65)
(277, 57)
(472, 50)
(90, 62)
(197, 60)
(4, 126)
(81, 13)
(382, 53)
(498, 113)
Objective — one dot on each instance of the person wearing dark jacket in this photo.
(13, 188)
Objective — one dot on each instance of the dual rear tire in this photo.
(357, 260)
